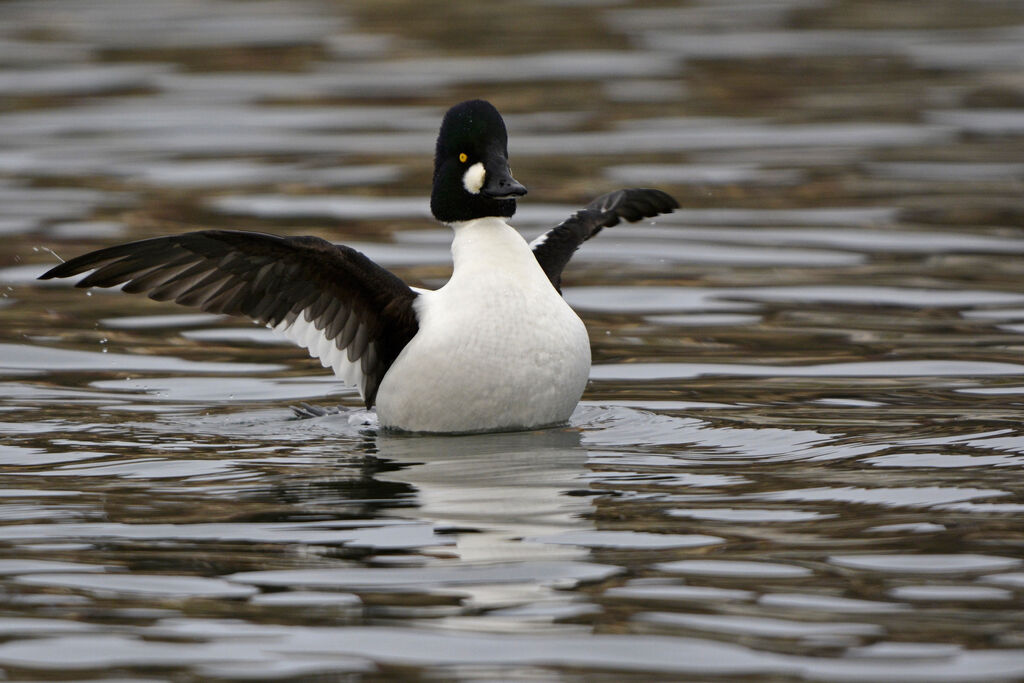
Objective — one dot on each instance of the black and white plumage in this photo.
(554, 248)
(496, 348)
(361, 313)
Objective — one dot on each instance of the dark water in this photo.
(800, 455)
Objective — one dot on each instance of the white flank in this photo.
(473, 178)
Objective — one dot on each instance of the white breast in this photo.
(497, 347)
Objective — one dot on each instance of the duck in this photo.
(496, 348)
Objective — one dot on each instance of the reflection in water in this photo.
(500, 486)
(800, 453)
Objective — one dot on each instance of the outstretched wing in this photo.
(349, 312)
(554, 248)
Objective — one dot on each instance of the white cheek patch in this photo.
(473, 178)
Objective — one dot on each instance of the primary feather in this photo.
(349, 312)
(554, 248)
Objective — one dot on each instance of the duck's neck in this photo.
(489, 244)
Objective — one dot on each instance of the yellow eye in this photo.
(463, 157)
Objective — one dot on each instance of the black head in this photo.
(471, 175)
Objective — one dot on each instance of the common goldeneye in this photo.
(495, 349)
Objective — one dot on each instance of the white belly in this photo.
(497, 349)
(467, 371)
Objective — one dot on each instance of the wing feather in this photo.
(353, 315)
(554, 248)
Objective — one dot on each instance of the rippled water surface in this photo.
(800, 454)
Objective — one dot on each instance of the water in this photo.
(798, 458)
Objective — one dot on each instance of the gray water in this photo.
(800, 454)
